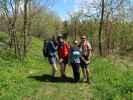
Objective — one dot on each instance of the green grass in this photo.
(29, 80)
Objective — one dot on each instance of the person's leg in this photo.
(84, 74)
(83, 70)
(50, 59)
(53, 64)
(82, 64)
(73, 68)
(61, 69)
(87, 74)
(54, 69)
(77, 72)
(65, 62)
(65, 65)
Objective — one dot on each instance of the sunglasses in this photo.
(83, 38)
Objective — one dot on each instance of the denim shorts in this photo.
(83, 64)
(52, 60)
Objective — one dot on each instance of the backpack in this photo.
(45, 49)
(75, 55)
(63, 50)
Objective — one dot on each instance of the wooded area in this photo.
(108, 24)
(20, 19)
(25, 24)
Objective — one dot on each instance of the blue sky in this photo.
(63, 7)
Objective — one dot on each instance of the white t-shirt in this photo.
(85, 49)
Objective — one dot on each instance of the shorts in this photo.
(83, 64)
(65, 60)
(52, 60)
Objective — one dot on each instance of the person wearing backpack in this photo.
(75, 61)
(51, 52)
(85, 49)
(63, 54)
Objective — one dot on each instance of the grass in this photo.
(30, 80)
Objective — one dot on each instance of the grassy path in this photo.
(30, 80)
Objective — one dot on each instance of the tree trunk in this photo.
(100, 29)
(25, 27)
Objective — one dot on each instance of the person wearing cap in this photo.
(75, 61)
(63, 54)
(85, 49)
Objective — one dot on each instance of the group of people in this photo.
(78, 55)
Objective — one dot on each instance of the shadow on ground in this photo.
(48, 78)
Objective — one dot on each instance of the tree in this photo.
(15, 11)
(107, 13)
(100, 27)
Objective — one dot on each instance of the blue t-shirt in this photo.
(51, 49)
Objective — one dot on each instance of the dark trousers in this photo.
(76, 71)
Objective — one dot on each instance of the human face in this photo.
(83, 39)
(61, 40)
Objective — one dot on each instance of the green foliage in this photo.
(45, 24)
(111, 82)
(17, 82)
(3, 36)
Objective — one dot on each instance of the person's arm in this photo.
(86, 61)
(90, 50)
(69, 47)
(53, 45)
(70, 55)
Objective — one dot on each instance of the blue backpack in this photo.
(45, 49)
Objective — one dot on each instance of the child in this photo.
(75, 61)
